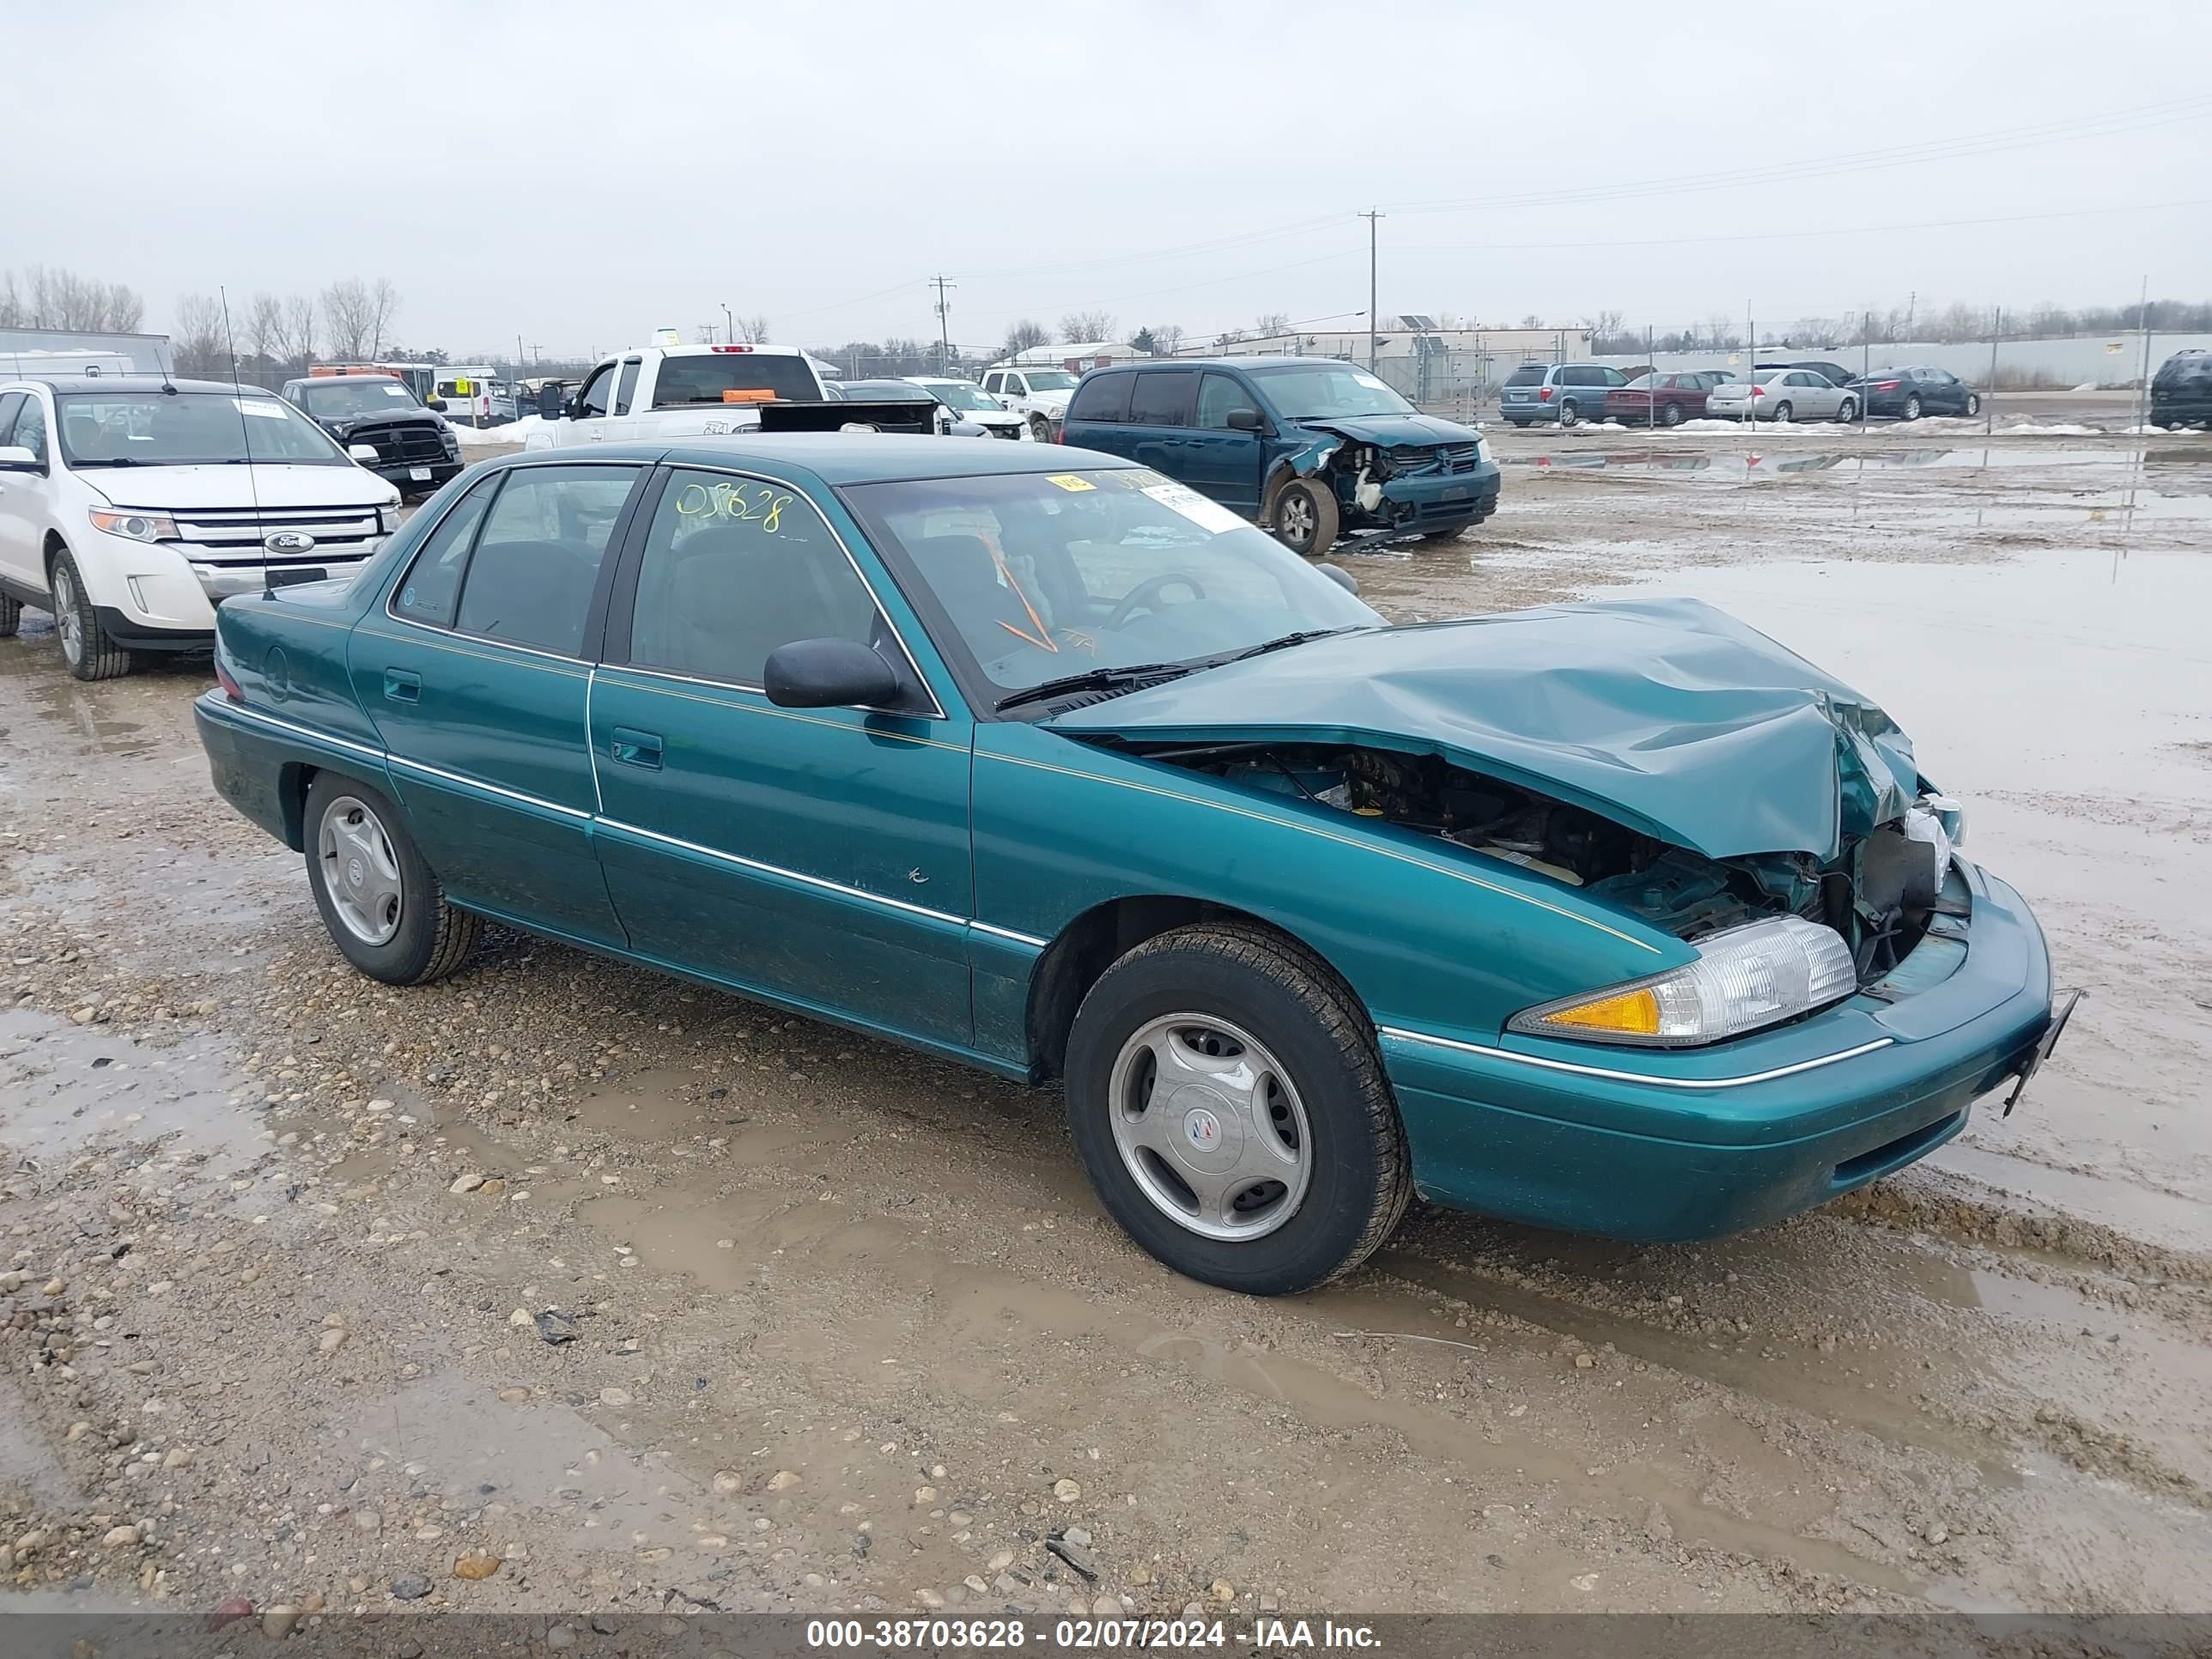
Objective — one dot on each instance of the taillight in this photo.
(1759, 391)
(1545, 396)
(230, 687)
(1887, 385)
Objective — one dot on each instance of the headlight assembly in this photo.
(1744, 979)
(138, 526)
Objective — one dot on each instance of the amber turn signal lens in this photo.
(1632, 1013)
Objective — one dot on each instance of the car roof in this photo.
(851, 457)
(340, 380)
(130, 383)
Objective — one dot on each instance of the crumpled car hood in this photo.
(1388, 430)
(1665, 716)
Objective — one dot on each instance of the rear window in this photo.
(1102, 397)
(733, 378)
(1527, 374)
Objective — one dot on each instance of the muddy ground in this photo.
(560, 1286)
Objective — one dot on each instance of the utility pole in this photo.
(943, 325)
(1371, 216)
(1911, 305)
(729, 328)
(2142, 379)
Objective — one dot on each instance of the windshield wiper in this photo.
(1288, 641)
(107, 460)
(1091, 679)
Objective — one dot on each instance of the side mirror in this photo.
(1246, 420)
(571, 409)
(827, 674)
(365, 453)
(434, 402)
(14, 458)
(1343, 578)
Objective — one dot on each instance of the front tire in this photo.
(382, 904)
(1911, 411)
(1305, 516)
(1226, 1098)
(87, 648)
(1040, 429)
(1973, 403)
(11, 616)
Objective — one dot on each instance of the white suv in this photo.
(132, 506)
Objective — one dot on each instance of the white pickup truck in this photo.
(1038, 391)
(658, 393)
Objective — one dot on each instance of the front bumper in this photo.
(400, 475)
(2188, 410)
(1428, 502)
(1694, 1144)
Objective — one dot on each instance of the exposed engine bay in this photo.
(1880, 893)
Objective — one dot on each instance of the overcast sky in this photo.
(580, 174)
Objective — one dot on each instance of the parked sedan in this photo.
(1032, 758)
(1909, 393)
(1782, 394)
(1673, 396)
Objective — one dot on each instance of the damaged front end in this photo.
(1883, 891)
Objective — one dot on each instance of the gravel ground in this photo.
(564, 1286)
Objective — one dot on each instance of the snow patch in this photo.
(2036, 429)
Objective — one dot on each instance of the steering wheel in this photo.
(1144, 594)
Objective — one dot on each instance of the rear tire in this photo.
(1671, 415)
(87, 648)
(1324, 1115)
(1571, 413)
(1782, 410)
(389, 916)
(1847, 412)
(1305, 516)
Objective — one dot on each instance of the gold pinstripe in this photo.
(1325, 835)
(662, 687)
(445, 641)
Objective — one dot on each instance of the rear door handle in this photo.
(634, 748)
(402, 685)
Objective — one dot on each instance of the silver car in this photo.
(1782, 394)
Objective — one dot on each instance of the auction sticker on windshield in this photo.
(1069, 480)
(261, 406)
(1209, 515)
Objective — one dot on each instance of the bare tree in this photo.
(296, 334)
(197, 337)
(50, 298)
(1272, 322)
(264, 328)
(1081, 327)
(1021, 335)
(1532, 321)
(1167, 338)
(360, 315)
(753, 329)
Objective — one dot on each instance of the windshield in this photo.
(1321, 390)
(185, 429)
(958, 394)
(1044, 575)
(733, 378)
(1050, 380)
(339, 397)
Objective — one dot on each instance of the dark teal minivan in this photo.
(1309, 447)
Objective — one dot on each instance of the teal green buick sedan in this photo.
(1614, 917)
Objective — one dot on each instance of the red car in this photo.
(1678, 397)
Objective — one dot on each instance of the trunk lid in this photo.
(1665, 716)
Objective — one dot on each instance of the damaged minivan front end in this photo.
(1836, 984)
